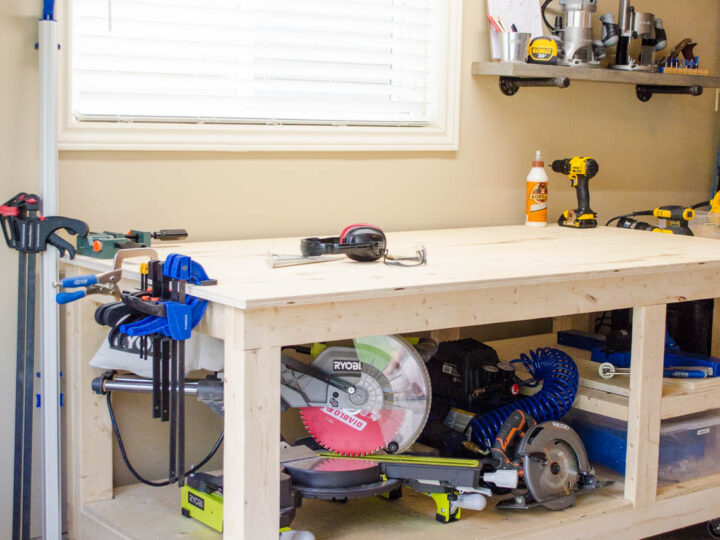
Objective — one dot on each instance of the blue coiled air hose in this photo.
(557, 373)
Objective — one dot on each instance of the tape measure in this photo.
(543, 50)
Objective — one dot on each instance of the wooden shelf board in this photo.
(142, 512)
(691, 486)
(609, 397)
(507, 69)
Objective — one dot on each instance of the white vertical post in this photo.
(49, 314)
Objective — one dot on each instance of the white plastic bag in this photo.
(201, 352)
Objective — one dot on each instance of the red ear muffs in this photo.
(361, 242)
(350, 229)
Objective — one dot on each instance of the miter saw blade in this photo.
(388, 407)
(551, 466)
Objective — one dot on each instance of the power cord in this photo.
(542, 10)
(601, 321)
(125, 459)
(632, 214)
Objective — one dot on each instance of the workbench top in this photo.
(458, 259)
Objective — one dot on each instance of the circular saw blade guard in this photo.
(390, 403)
(553, 459)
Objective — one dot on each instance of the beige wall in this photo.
(18, 172)
(661, 152)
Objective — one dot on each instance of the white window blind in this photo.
(354, 62)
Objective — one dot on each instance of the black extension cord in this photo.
(125, 459)
(542, 10)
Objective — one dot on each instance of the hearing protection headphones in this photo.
(361, 242)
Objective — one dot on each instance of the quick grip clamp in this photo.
(169, 318)
(28, 233)
(25, 231)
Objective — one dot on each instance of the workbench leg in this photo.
(646, 377)
(251, 468)
(88, 438)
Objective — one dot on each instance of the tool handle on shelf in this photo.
(67, 297)
(170, 234)
(79, 281)
(685, 374)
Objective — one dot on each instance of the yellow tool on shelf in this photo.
(714, 214)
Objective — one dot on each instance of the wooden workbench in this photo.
(473, 277)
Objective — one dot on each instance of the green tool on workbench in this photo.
(104, 245)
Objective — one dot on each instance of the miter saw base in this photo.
(330, 476)
(548, 461)
(526, 501)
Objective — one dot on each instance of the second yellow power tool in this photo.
(677, 220)
(580, 170)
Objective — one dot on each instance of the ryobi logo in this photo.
(347, 365)
(196, 501)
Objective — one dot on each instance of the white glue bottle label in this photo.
(536, 201)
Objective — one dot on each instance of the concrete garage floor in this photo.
(695, 532)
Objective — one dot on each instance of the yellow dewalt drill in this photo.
(580, 170)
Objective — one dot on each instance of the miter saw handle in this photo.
(300, 367)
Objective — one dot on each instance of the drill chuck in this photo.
(561, 166)
(576, 166)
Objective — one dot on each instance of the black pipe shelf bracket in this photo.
(515, 75)
(510, 85)
(646, 91)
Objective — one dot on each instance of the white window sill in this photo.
(250, 138)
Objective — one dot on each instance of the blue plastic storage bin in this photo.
(689, 445)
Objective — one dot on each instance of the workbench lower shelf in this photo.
(609, 397)
(143, 512)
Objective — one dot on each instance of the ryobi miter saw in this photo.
(374, 398)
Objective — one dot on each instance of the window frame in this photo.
(97, 135)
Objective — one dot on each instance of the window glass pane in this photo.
(309, 61)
